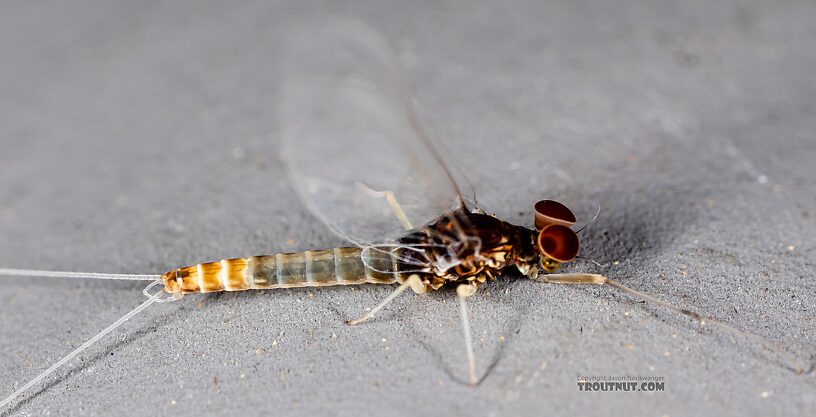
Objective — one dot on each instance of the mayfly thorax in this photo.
(360, 161)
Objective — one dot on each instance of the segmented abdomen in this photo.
(339, 266)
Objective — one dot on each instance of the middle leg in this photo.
(463, 291)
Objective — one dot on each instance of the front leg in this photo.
(792, 362)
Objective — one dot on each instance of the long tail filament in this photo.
(153, 298)
(64, 274)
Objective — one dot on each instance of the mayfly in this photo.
(360, 161)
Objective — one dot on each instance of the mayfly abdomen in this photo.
(339, 266)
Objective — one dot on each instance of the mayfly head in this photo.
(556, 242)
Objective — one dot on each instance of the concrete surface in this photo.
(137, 137)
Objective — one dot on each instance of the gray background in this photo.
(139, 137)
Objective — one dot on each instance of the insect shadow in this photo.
(511, 328)
(631, 232)
(639, 228)
(406, 308)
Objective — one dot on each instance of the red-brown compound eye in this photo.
(549, 212)
(558, 243)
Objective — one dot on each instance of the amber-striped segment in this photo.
(340, 266)
(226, 275)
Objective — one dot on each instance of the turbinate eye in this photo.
(549, 212)
(558, 242)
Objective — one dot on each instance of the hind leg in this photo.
(412, 282)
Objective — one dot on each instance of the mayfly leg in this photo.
(392, 201)
(413, 282)
(596, 279)
(463, 291)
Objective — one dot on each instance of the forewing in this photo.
(352, 143)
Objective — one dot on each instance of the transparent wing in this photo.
(351, 140)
